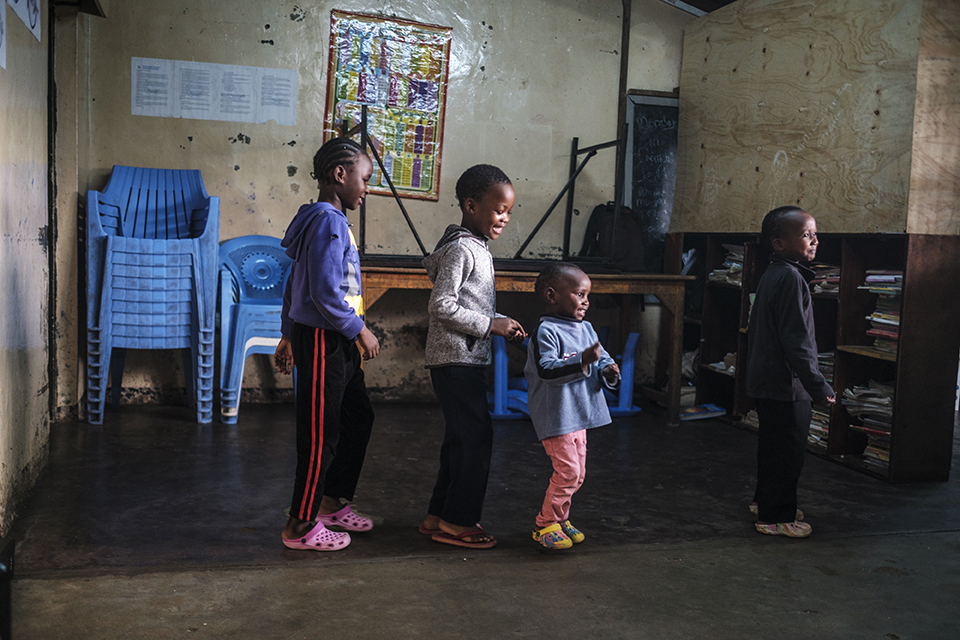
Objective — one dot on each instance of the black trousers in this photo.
(334, 418)
(781, 448)
(467, 445)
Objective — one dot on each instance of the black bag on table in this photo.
(622, 246)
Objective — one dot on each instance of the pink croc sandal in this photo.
(319, 539)
(346, 519)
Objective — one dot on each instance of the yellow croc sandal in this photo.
(572, 532)
(552, 537)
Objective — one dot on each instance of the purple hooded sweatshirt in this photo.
(324, 288)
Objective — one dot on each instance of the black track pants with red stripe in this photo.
(334, 418)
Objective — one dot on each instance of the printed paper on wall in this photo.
(208, 91)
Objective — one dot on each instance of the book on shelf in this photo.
(819, 428)
(702, 411)
(825, 362)
(872, 406)
(731, 271)
(826, 279)
(885, 319)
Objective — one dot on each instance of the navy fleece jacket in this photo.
(782, 348)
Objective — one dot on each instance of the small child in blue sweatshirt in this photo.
(566, 369)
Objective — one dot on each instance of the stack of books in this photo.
(872, 405)
(751, 419)
(825, 363)
(885, 320)
(827, 278)
(731, 270)
(819, 428)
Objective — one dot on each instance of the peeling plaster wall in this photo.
(24, 395)
(525, 78)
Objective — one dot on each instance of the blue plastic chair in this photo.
(253, 274)
(151, 278)
(508, 401)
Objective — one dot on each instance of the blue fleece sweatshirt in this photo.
(563, 395)
(324, 288)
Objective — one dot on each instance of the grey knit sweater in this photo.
(463, 301)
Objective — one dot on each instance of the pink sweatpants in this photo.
(569, 456)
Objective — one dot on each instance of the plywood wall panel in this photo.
(935, 171)
(798, 102)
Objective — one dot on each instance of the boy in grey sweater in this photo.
(462, 318)
(566, 368)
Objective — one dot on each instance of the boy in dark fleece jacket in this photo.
(782, 371)
(462, 318)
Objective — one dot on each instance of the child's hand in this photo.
(283, 357)
(611, 373)
(508, 328)
(832, 400)
(591, 354)
(369, 345)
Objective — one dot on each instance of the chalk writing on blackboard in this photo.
(653, 170)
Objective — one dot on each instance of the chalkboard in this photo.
(652, 167)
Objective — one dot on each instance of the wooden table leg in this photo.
(672, 303)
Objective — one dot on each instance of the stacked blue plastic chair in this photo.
(152, 239)
(253, 273)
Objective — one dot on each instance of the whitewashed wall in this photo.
(24, 394)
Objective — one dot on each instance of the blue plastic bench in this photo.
(253, 274)
(151, 278)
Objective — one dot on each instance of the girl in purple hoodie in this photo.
(322, 325)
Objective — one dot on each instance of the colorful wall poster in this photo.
(398, 69)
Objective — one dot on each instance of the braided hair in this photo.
(774, 222)
(549, 275)
(477, 180)
(335, 152)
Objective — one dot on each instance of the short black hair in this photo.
(477, 180)
(335, 152)
(551, 273)
(774, 222)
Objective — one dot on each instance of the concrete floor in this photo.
(152, 526)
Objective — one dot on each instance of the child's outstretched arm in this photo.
(508, 328)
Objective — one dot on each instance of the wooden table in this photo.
(669, 289)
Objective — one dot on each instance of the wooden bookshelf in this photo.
(923, 371)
